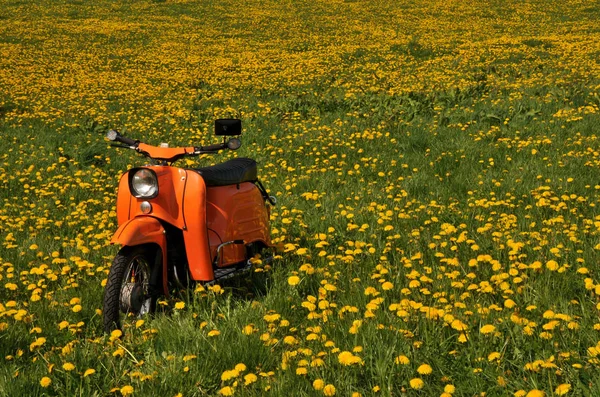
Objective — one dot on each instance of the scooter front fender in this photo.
(144, 230)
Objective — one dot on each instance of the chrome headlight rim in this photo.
(143, 183)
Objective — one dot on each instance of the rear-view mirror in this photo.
(228, 127)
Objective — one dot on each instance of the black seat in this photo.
(230, 172)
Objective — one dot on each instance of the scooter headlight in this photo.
(143, 183)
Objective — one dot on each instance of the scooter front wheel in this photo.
(128, 290)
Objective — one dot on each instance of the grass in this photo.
(434, 168)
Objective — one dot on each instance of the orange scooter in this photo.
(178, 226)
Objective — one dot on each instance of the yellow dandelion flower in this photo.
(301, 251)
(179, 305)
(116, 334)
(88, 372)
(402, 360)
(45, 381)
(214, 332)
(126, 390)
(562, 389)
(329, 390)
(293, 280)
(318, 384)
(301, 371)
(241, 367)
(230, 374)
(249, 379)
(552, 265)
(226, 391)
(486, 329)
(424, 369)
(347, 358)
(68, 366)
(450, 389)
(416, 383)
(37, 343)
(535, 393)
(76, 308)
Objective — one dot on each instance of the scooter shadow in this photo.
(242, 288)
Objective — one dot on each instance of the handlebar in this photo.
(115, 136)
(210, 148)
(166, 153)
(127, 141)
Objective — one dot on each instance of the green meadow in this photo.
(435, 165)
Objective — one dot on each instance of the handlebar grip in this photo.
(212, 148)
(125, 140)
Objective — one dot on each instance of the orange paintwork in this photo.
(163, 153)
(167, 205)
(196, 234)
(144, 230)
(236, 212)
(206, 216)
(123, 199)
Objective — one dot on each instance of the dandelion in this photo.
(249, 379)
(214, 332)
(318, 384)
(179, 305)
(486, 329)
(562, 389)
(37, 343)
(293, 280)
(450, 389)
(416, 383)
(45, 381)
(535, 393)
(226, 391)
(347, 358)
(126, 390)
(241, 367)
(230, 374)
(402, 360)
(387, 286)
(329, 390)
(88, 372)
(424, 369)
(68, 366)
(116, 334)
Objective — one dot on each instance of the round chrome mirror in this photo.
(234, 143)
(112, 135)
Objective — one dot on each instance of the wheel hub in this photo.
(132, 298)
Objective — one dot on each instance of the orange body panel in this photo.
(195, 234)
(123, 199)
(143, 230)
(164, 153)
(167, 205)
(236, 212)
(181, 203)
(206, 216)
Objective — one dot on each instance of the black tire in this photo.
(132, 285)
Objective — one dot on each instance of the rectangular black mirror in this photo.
(228, 127)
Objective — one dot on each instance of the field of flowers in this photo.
(435, 163)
